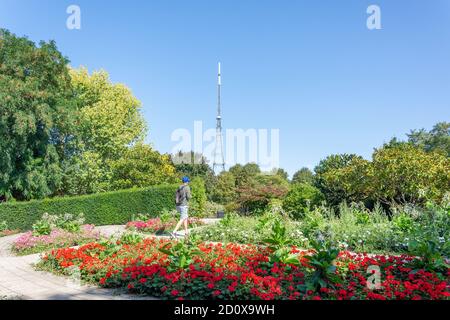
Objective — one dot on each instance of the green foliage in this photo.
(211, 209)
(399, 173)
(199, 199)
(140, 166)
(110, 114)
(325, 171)
(101, 209)
(406, 174)
(280, 244)
(44, 225)
(301, 199)
(246, 230)
(304, 175)
(67, 222)
(224, 191)
(429, 255)
(438, 139)
(180, 254)
(323, 263)
(260, 191)
(3, 226)
(36, 114)
(191, 164)
(131, 238)
(403, 222)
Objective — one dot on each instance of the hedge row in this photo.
(99, 209)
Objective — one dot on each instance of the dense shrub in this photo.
(198, 201)
(248, 230)
(301, 198)
(399, 173)
(334, 193)
(406, 174)
(100, 209)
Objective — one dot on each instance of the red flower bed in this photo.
(235, 272)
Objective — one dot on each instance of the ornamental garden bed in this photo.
(158, 226)
(186, 270)
(52, 232)
(29, 243)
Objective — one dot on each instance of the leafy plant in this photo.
(166, 216)
(429, 254)
(70, 222)
(280, 243)
(403, 222)
(301, 199)
(323, 263)
(228, 219)
(45, 225)
(131, 238)
(181, 253)
(362, 217)
(141, 217)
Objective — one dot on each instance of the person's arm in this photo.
(188, 193)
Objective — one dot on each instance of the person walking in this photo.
(182, 197)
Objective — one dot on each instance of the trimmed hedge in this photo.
(100, 209)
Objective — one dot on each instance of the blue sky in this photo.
(309, 68)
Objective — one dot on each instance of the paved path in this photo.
(19, 279)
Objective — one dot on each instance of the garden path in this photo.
(19, 279)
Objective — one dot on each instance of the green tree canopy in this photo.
(408, 174)
(111, 120)
(334, 193)
(36, 100)
(301, 198)
(304, 175)
(437, 139)
(141, 166)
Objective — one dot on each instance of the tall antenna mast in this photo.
(219, 159)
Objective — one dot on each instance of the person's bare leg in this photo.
(177, 226)
(186, 227)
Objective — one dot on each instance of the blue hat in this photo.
(186, 179)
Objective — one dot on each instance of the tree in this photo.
(191, 164)
(244, 174)
(36, 100)
(141, 166)
(261, 190)
(224, 190)
(438, 139)
(408, 174)
(110, 123)
(304, 175)
(301, 198)
(110, 115)
(282, 173)
(352, 182)
(334, 193)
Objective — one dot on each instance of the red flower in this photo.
(174, 292)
